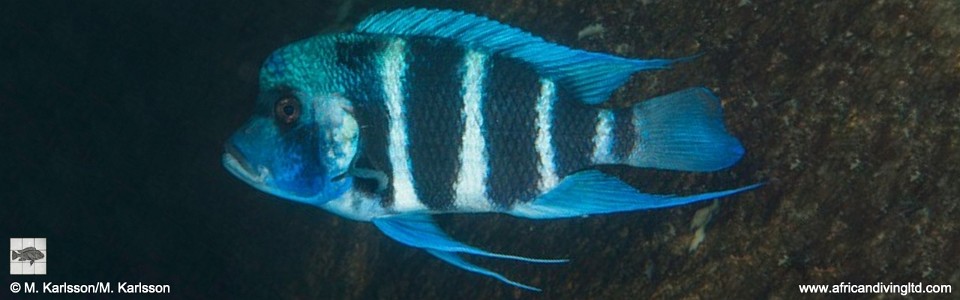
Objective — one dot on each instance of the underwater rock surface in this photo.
(113, 116)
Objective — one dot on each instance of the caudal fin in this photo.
(13, 254)
(683, 131)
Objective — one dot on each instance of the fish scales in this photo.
(573, 131)
(434, 102)
(510, 107)
(435, 127)
(471, 183)
(626, 134)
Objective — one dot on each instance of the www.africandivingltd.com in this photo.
(876, 288)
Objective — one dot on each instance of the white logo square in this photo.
(28, 256)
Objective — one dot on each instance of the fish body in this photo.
(419, 112)
(28, 253)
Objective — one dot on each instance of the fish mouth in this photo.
(235, 162)
(258, 177)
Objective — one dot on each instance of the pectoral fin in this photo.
(420, 231)
(378, 176)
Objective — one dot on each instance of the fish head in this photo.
(301, 139)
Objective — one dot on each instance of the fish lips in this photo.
(236, 163)
(258, 177)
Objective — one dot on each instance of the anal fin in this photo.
(420, 231)
(593, 192)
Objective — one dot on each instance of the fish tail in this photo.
(681, 131)
(14, 254)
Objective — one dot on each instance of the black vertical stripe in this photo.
(359, 59)
(359, 55)
(509, 114)
(433, 116)
(624, 133)
(573, 128)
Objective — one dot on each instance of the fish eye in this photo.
(287, 110)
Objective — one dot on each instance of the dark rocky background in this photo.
(112, 116)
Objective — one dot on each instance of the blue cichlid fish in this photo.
(419, 112)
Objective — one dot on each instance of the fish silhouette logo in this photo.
(28, 253)
(28, 256)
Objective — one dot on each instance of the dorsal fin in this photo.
(591, 76)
